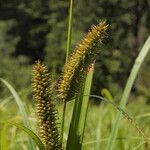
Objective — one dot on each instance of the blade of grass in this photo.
(35, 138)
(98, 132)
(18, 101)
(69, 30)
(119, 138)
(143, 115)
(139, 146)
(124, 113)
(21, 108)
(67, 55)
(77, 125)
(144, 51)
(9, 98)
(105, 93)
(85, 100)
(3, 138)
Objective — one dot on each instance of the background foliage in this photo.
(37, 29)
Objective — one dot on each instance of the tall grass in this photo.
(67, 56)
(76, 132)
(21, 108)
(4, 145)
(74, 89)
(144, 51)
(30, 134)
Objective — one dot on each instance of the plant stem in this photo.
(139, 60)
(63, 120)
(67, 56)
(69, 30)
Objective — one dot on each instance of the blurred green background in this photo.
(37, 29)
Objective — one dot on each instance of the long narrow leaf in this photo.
(21, 108)
(140, 145)
(69, 30)
(30, 133)
(77, 125)
(127, 90)
(119, 138)
(3, 138)
(67, 56)
(125, 114)
(18, 101)
(85, 100)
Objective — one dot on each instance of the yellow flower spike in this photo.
(83, 55)
(46, 112)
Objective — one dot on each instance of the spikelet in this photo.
(83, 55)
(46, 112)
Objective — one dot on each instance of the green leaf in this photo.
(77, 125)
(125, 114)
(67, 55)
(18, 101)
(138, 146)
(21, 108)
(30, 133)
(107, 94)
(144, 51)
(3, 138)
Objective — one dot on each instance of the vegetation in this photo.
(37, 31)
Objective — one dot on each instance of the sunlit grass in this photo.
(98, 124)
(99, 118)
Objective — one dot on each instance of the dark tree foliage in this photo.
(129, 28)
(37, 29)
(31, 26)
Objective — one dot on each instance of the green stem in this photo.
(127, 91)
(67, 56)
(69, 30)
(63, 120)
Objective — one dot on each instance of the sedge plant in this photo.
(71, 84)
(74, 83)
